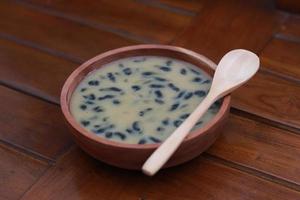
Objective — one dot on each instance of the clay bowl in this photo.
(132, 156)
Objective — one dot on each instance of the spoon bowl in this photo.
(237, 67)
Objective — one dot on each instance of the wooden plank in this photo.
(33, 71)
(225, 25)
(79, 177)
(18, 172)
(51, 33)
(134, 18)
(282, 57)
(30, 123)
(292, 26)
(270, 97)
(261, 147)
(191, 5)
(76, 177)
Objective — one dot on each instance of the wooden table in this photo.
(42, 41)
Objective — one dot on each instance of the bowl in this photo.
(132, 156)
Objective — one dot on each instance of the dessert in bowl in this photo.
(121, 104)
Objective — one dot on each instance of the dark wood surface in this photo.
(257, 155)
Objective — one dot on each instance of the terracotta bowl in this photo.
(132, 156)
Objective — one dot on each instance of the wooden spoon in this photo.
(234, 69)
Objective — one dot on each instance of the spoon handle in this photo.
(162, 154)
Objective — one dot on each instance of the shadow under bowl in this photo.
(132, 156)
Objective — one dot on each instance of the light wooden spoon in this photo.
(234, 69)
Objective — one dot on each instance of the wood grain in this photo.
(31, 124)
(256, 145)
(33, 71)
(56, 34)
(191, 5)
(127, 16)
(282, 57)
(18, 173)
(79, 177)
(270, 97)
(292, 26)
(225, 25)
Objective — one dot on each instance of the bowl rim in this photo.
(93, 137)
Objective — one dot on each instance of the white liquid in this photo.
(121, 112)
